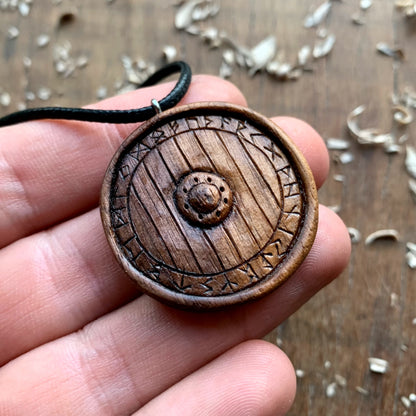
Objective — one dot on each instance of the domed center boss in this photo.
(205, 205)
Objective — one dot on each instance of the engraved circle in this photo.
(204, 199)
(180, 162)
(172, 240)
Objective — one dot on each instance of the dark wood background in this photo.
(369, 310)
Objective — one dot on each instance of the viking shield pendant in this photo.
(209, 205)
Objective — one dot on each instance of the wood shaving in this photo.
(27, 62)
(213, 37)
(339, 178)
(411, 255)
(24, 8)
(406, 402)
(394, 300)
(340, 380)
(410, 161)
(42, 40)
(30, 96)
(331, 390)
(262, 54)
(300, 373)
(82, 61)
(44, 93)
(362, 390)
(5, 99)
(358, 19)
(355, 235)
(323, 47)
(169, 53)
(318, 15)
(194, 10)
(337, 144)
(408, 7)
(402, 115)
(304, 55)
(392, 52)
(101, 93)
(13, 32)
(378, 365)
(205, 10)
(345, 158)
(365, 4)
(365, 136)
(382, 234)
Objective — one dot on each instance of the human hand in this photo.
(76, 337)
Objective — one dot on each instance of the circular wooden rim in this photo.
(284, 270)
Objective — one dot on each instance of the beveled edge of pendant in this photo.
(297, 254)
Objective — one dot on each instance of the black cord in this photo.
(113, 116)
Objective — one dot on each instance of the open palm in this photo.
(76, 337)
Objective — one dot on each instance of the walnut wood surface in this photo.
(208, 205)
(354, 317)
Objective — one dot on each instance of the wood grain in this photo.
(211, 231)
(354, 317)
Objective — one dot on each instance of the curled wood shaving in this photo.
(402, 115)
(194, 10)
(323, 47)
(183, 17)
(318, 15)
(365, 136)
(378, 365)
(392, 52)
(411, 255)
(382, 234)
(355, 235)
(408, 7)
(411, 160)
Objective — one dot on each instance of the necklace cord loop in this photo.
(113, 116)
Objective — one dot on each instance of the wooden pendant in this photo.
(209, 205)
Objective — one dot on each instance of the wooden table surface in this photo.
(370, 310)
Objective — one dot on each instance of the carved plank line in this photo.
(235, 207)
(173, 217)
(210, 245)
(208, 239)
(261, 179)
(147, 214)
(244, 179)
